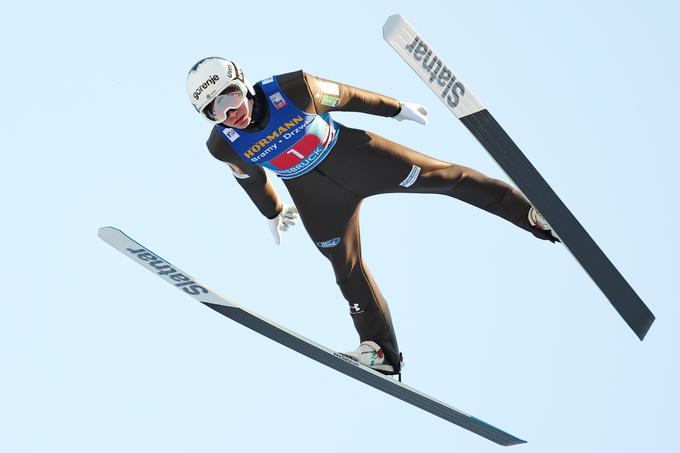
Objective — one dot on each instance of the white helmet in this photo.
(209, 77)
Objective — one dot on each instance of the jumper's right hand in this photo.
(413, 112)
(286, 218)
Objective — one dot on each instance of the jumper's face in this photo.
(231, 106)
(240, 117)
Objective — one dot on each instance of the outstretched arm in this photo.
(316, 95)
(250, 177)
(330, 96)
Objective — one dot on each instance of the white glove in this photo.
(413, 112)
(286, 218)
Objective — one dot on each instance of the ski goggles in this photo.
(232, 97)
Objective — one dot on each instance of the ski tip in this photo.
(392, 24)
(107, 231)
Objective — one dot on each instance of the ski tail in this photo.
(575, 238)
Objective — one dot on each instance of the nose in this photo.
(232, 113)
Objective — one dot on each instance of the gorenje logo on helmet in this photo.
(211, 81)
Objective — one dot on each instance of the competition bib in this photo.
(292, 143)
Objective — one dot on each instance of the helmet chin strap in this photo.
(259, 106)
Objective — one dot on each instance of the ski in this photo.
(183, 281)
(462, 102)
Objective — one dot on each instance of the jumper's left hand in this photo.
(413, 112)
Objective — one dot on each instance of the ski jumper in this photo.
(329, 169)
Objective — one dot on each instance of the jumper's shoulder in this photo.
(296, 85)
(218, 146)
(295, 77)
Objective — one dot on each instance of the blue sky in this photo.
(95, 129)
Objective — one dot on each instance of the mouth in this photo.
(240, 120)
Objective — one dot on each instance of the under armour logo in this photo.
(355, 309)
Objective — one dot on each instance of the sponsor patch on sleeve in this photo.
(329, 100)
(329, 87)
(328, 94)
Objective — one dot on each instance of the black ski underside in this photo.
(375, 380)
(511, 159)
(183, 281)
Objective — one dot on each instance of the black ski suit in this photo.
(362, 164)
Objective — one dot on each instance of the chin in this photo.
(243, 123)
